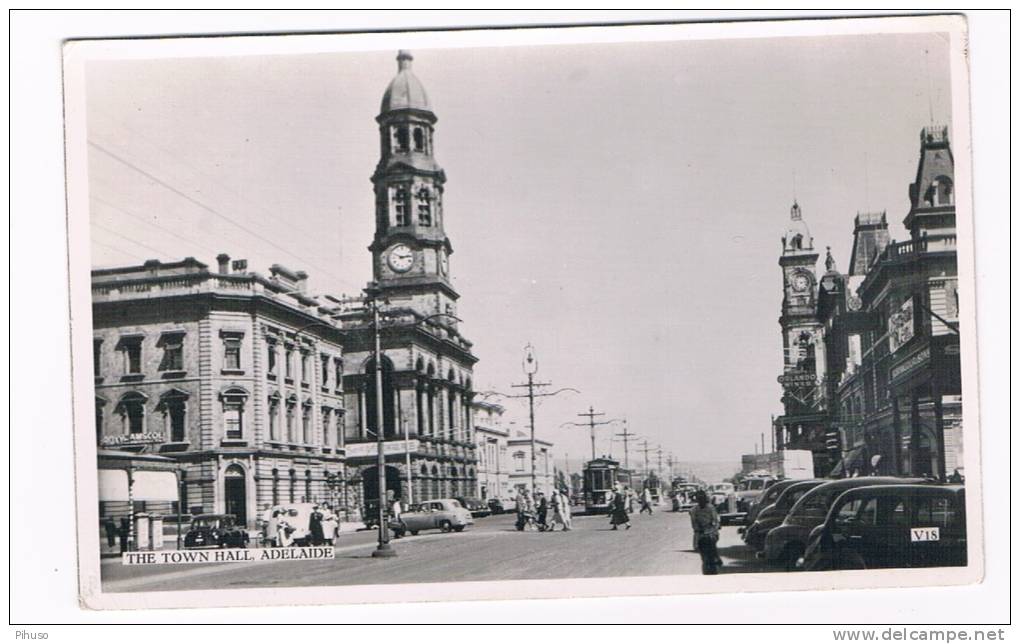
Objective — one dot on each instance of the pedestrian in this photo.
(111, 532)
(618, 511)
(272, 528)
(568, 523)
(556, 503)
(124, 533)
(705, 522)
(542, 511)
(283, 531)
(521, 504)
(396, 510)
(646, 501)
(631, 499)
(315, 527)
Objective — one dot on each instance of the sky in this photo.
(617, 206)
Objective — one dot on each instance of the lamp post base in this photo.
(383, 550)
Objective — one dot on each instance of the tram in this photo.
(600, 477)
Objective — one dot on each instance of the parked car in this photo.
(496, 506)
(767, 498)
(752, 487)
(785, 543)
(891, 526)
(772, 515)
(475, 506)
(215, 531)
(440, 514)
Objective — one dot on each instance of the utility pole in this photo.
(531, 368)
(645, 450)
(626, 451)
(591, 424)
(658, 472)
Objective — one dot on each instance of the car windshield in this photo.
(210, 522)
(454, 503)
(816, 505)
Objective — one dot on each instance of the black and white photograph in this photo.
(557, 312)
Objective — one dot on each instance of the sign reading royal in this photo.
(362, 450)
(226, 555)
(146, 438)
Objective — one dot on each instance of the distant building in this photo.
(235, 376)
(871, 378)
(491, 440)
(520, 452)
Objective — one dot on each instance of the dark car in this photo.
(496, 506)
(767, 498)
(772, 515)
(892, 526)
(785, 543)
(215, 531)
(477, 507)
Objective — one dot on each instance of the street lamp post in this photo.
(383, 549)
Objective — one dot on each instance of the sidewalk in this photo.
(170, 539)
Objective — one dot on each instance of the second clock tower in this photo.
(410, 250)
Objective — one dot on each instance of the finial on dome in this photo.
(830, 263)
(404, 59)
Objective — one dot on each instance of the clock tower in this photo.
(410, 250)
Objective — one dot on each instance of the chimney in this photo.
(302, 281)
(224, 263)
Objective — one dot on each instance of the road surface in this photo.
(490, 550)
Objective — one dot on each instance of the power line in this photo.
(209, 209)
(133, 241)
(153, 224)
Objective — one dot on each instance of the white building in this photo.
(519, 449)
(491, 441)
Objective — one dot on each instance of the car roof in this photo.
(911, 489)
(213, 516)
(849, 484)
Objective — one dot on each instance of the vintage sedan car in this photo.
(891, 526)
(772, 515)
(440, 514)
(767, 498)
(785, 543)
(215, 531)
(477, 507)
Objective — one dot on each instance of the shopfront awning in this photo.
(853, 460)
(153, 478)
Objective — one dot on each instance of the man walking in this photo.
(646, 501)
(705, 522)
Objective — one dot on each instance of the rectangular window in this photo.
(175, 410)
(325, 372)
(304, 368)
(424, 213)
(400, 215)
(274, 421)
(97, 345)
(327, 422)
(132, 355)
(233, 418)
(338, 374)
(173, 352)
(232, 352)
(290, 422)
(306, 425)
(135, 417)
(289, 362)
(271, 360)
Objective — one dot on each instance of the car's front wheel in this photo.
(445, 525)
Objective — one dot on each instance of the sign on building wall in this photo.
(148, 438)
(901, 325)
(361, 450)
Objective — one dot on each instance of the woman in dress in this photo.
(618, 511)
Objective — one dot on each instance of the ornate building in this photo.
(235, 376)
(871, 380)
(427, 362)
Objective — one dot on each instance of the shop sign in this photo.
(362, 450)
(911, 363)
(147, 438)
(797, 379)
(901, 325)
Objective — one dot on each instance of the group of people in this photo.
(622, 505)
(115, 532)
(282, 527)
(533, 513)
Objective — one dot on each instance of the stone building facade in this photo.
(872, 384)
(427, 362)
(236, 376)
(519, 449)
(493, 461)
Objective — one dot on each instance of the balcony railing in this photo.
(909, 250)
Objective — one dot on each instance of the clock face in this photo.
(400, 258)
(801, 282)
(444, 263)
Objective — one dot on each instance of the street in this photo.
(490, 550)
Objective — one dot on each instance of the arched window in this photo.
(419, 139)
(942, 191)
(398, 197)
(173, 404)
(233, 400)
(797, 242)
(132, 411)
(100, 404)
(424, 207)
(424, 470)
(400, 138)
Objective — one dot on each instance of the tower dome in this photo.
(797, 237)
(405, 91)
